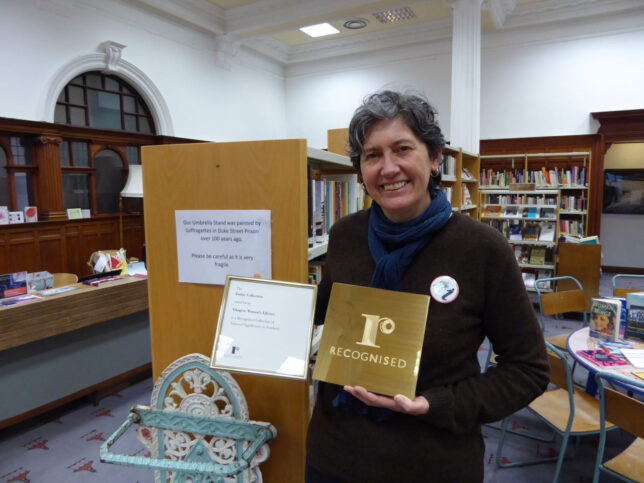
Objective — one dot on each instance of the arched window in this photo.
(93, 176)
(103, 101)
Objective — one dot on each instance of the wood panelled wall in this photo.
(66, 246)
(54, 243)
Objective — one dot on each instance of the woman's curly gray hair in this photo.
(413, 108)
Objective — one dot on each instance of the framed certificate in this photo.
(264, 327)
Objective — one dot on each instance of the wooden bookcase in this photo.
(459, 183)
(255, 175)
(573, 180)
(505, 209)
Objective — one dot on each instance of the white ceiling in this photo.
(270, 27)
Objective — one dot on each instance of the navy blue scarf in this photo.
(393, 246)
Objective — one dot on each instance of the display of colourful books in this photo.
(635, 316)
(605, 318)
(601, 358)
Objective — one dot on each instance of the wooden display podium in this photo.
(261, 175)
(582, 261)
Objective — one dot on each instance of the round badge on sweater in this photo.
(444, 289)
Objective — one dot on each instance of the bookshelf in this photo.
(568, 172)
(530, 222)
(270, 175)
(460, 179)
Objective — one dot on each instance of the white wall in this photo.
(323, 95)
(535, 81)
(205, 101)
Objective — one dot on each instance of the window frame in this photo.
(12, 169)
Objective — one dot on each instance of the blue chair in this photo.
(554, 302)
(627, 413)
(622, 291)
(568, 411)
(197, 428)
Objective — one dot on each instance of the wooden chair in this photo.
(627, 413)
(62, 279)
(559, 302)
(622, 291)
(197, 428)
(568, 411)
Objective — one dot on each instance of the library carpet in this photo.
(65, 449)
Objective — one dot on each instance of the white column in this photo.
(465, 126)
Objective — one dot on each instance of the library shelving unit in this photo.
(258, 175)
(529, 220)
(325, 161)
(459, 176)
(568, 172)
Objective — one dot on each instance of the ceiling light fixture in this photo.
(355, 23)
(394, 15)
(320, 30)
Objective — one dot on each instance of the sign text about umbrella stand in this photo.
(212, 244)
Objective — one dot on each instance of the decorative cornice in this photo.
(269, 16)
(60, 7)
(226, 48)
(199, 13)
(382, 39)
(499, 10)
(548, 11)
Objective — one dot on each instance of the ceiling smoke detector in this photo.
(355, 23)
(394, 15)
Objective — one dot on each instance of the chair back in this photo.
(559, 302)
(622, 291)
(62, 279)
(559, 369)
(619, 408)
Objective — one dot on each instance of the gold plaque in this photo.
(372, 338)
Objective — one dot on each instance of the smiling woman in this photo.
(410, 241)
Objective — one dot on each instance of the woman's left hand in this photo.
(399, 403)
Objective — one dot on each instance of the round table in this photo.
(581, 340)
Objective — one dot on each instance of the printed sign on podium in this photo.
(372, 338)
(265, 327)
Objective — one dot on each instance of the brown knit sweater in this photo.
(444, 445)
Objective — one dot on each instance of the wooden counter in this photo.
(68, 311)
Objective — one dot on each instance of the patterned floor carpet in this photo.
(66, 449)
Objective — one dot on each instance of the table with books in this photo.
(624, 357)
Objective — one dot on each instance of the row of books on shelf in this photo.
(533, 255)
(547, 179)
(466, 197)
(519, 199)
(531, 275)
(615, 319)
(330, 197)
(571, 227)
(316, 269)
(500, 179)
(555, 178)
(448, 165)
(558, 177)
(519, 211)
(574, 203)
(525, 230)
